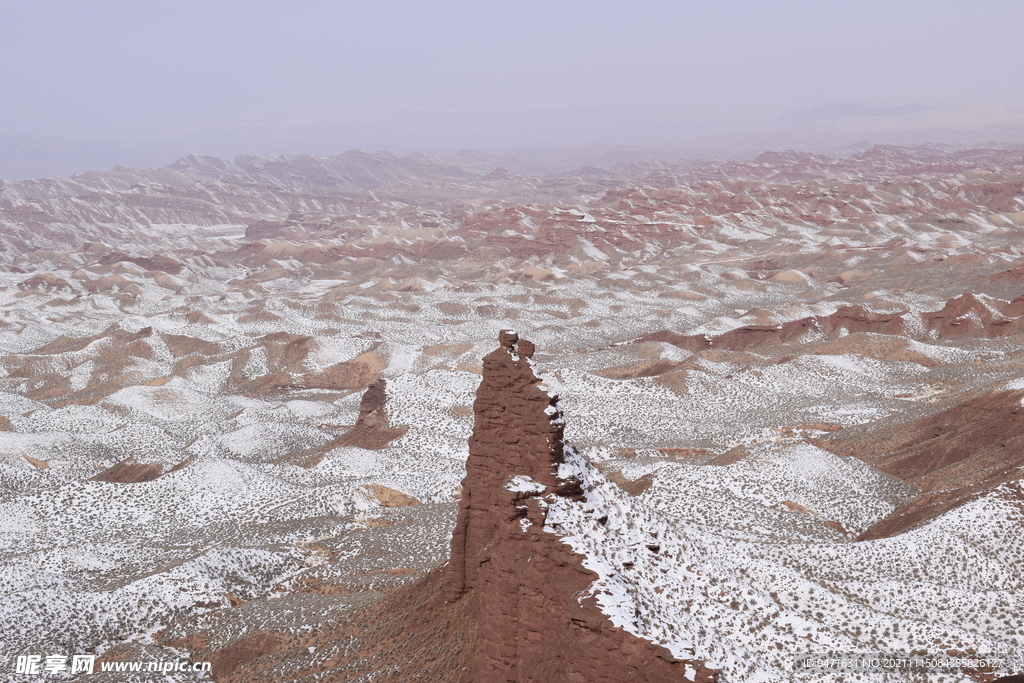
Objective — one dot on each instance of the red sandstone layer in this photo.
(524, 583)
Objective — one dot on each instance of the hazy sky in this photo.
(402, 71)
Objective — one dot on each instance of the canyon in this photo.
(252, 412)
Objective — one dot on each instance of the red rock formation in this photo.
(45, 282)
(524, 582)
(507, 607)
(512, 435)
(952, 457)
(129, 471)
(1010, 277)
(963, 315)
(154, 262)
(967, 314)
(351, 374)
(1019, 678)
(372, 429)
(846, 318)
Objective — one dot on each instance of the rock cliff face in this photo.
(514, 435)
(507, 608)
(525, 586)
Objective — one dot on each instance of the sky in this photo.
(309, 76)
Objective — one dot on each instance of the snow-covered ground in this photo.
(251, 358)
(725, 585)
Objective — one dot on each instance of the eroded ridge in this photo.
(526, 585)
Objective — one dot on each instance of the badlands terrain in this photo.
(783, 400)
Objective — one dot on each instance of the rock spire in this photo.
(533, 625)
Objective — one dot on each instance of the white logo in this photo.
(28, 664)
(86, 664)
(56, 664)
(53, 664)
(82, 663)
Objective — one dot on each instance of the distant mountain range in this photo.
(552, 141)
